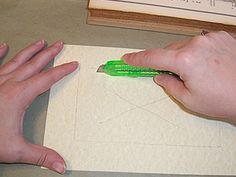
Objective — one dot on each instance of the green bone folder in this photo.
(120, 68)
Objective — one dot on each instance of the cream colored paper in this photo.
(219, 11)
(103, 123)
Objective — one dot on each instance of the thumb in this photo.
(173, 85)
(43, 156)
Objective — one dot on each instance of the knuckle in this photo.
(32, 65)
(48, 53)
(51, 52)
(226, 35)
(221, 38)
(147, 57)
(223, 32)
(137, 59)
(217, 34)
(15, 60)
(198, 40)
(142, 58)
(213, 34)
(42, 159)
(184, 57)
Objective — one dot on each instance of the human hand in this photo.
(206, 66)
(21, 81)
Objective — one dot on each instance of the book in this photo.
(175, 16)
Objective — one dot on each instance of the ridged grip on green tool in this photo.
(120, 68)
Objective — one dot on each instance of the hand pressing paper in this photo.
(120, 124)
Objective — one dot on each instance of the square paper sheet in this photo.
(103, 123)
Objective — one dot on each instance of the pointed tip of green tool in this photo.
(100, 69)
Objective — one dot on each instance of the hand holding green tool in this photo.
(120, 68)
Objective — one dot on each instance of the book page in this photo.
(121, 124)
(218, 11)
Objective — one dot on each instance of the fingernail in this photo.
(124, 57)
(3, 45)
(128, 55)
(40, 42)
(58, 44)
(75, 63)
(59, 167)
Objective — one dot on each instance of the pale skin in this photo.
(21, 81)
(206, 66)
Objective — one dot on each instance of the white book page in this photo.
(218, 11)
(120, 124)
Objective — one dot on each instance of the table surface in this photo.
(23, 22)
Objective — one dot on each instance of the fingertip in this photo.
(3, 50)
(125, 56)
(44, 157)
(130, 58)
(158, 79)
(55, 48)
(44, 43)
(59, 167)
(3, 46)
(40, 42)
(166, 81)
(58, 43)
(74, 64)
(172, 84)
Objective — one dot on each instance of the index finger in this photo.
(44, 80)
(160, 59)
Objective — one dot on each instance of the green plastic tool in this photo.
(120, 68)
